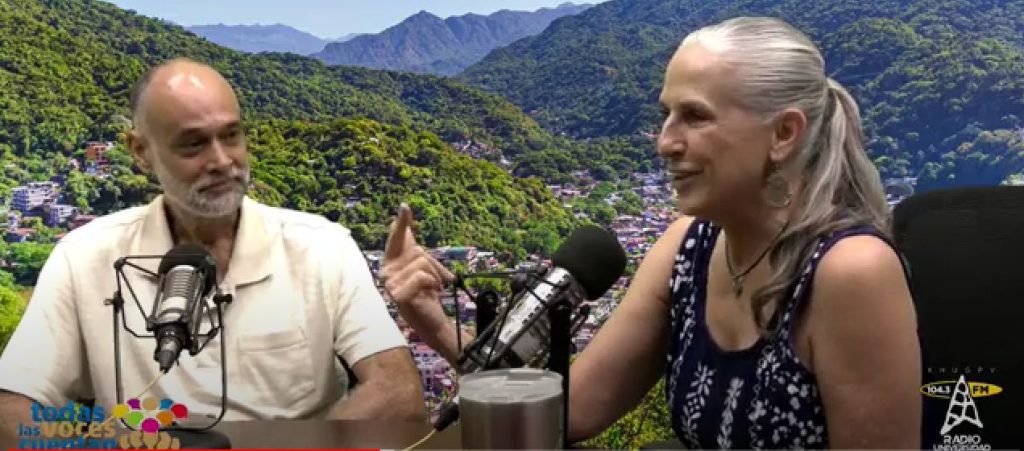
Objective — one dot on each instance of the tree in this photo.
(29, 258)
(540, 239)
(604, 215)
(987, 159)
(649, 422)
(630, 203)
(12, 307)
(32, 222)
(605, 172)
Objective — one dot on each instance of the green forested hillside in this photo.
(66, 67)
(931, 74)
(344, 142)
(358, 171)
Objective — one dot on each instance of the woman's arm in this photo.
(864, 347)
(627, 355)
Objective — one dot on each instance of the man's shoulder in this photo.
(306, 231)
(312, 241)
(299, 222)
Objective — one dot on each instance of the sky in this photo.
(324, 18)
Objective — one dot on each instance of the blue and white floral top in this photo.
(759, 397)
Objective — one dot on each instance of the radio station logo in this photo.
(147, 417)
(961, 413)
(79, 426)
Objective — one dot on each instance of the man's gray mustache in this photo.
(239, 180)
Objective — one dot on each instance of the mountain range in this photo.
(940, 83)
(426, 43)
(264, 38)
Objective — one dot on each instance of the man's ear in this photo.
(788, 131)
(138, 146)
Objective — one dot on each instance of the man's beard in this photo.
(197, 203)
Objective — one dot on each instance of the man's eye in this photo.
(193, 145)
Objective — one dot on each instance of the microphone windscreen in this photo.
(191, 254)
(594, 257)
(184, 254)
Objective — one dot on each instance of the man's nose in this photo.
(219, 156)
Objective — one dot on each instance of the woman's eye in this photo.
(694, 116)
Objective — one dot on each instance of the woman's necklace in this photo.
(738, 279)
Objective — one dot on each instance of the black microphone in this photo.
(585, 266)
(187, 274)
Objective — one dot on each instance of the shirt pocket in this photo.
(277, 367)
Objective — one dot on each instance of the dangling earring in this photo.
(776, 189)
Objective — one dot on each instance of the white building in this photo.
(25, 198)
(59, 214)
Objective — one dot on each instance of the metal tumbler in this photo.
(511, 409)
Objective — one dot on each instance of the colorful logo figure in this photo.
(150, 414)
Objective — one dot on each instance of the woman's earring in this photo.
(776, 189)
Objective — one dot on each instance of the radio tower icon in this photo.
(961, 408)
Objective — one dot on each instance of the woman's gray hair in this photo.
(778, 67)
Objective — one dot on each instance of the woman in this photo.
(776, 308)
(787, 320)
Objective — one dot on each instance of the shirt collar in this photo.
(250, 258)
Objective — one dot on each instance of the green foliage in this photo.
(27, 260)
(648, 423)
(983, 160)
(67, 67)
(475, 285)
(357, 172)
(630, 203)
(12, 306)
(608, 158)
(347, 143)
(606, 201)
(923, 71)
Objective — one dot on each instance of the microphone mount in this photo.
(515, 277)
(559, 347)
(196, 341)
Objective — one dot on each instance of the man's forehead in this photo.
(182, 80)
(190, 99)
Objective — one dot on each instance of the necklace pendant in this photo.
(737, 286)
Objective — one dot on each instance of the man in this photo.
(303, 296)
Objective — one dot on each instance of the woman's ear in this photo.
(787, 134)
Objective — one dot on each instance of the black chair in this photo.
(965, 252)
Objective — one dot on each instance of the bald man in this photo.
(303, 296)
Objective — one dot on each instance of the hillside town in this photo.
(636, 234)
(45, 200)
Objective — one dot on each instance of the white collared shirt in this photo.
(303, 295)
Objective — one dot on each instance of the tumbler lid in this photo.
(510, 386)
